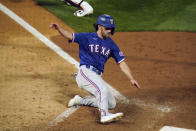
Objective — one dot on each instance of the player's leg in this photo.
(102, 95)
(111, 100)
(90, 81)
(83, 77)
(90, 100)
(108, 102)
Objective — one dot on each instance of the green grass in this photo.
(131, 15)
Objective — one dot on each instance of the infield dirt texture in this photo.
(36, 84)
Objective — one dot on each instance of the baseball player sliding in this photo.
(94, 50)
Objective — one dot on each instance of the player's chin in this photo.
(106, 36)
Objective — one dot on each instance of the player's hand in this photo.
(134, 82)
(54, 26)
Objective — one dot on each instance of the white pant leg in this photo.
(84, 8)
(87, 8)
(94, 84)
(111, 98)
(112, 101)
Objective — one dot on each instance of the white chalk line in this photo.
(39, 36)
(71, 60)
(63, 115)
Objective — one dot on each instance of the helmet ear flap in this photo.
(113, 31)
(95, 26)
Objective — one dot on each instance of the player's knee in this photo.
(105, 92)
(90, 10)
(87, 7)
(112, 105)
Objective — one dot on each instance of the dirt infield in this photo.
(36, 84)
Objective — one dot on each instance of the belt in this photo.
(94, 69)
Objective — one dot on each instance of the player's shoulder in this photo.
(113, 44)
(111, 41)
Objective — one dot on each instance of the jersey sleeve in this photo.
(79, 37)
(117, 54)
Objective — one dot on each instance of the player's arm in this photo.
(65, 33)
(126, 70)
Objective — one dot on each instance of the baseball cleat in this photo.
(74, 101)
(111, 117)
